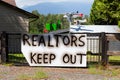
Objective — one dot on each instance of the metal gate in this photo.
(14, 48)
(94, 48)
(113, 49)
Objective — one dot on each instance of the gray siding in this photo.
(12, 20)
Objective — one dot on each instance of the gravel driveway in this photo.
(13, 72)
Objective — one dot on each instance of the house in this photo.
(12, 18)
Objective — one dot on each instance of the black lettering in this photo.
(49, 40)
(45, 58)
(32, 58)
(66, 58)
(73, 59)
(73, 40)
(57, 39)
(80, 58)
(66, 40)
(26, 39)
(34, 39)
(41, 40)
(52, 57)
(39, 58)
(82, 42)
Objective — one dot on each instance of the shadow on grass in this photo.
(115, 62)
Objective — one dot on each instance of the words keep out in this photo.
(48, 58)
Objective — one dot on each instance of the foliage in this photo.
(38, 25)
(88, 20)
(105, 12)
(35, 24)
(119, 24)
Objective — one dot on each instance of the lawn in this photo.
(16, 58)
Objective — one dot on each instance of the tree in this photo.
(105, 12)
(39, 26)
(35, 26)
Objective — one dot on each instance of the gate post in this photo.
(4, 50)
(104, 56)
(0, 47)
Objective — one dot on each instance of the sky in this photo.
(56, 6)
(27, 3)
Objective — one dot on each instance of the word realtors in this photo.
(64, 50)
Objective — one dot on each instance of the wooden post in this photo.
(4, 50)
(104, 56)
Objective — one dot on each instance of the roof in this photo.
(94, 28)
(62, 31)
(30, 15)
(12, 2)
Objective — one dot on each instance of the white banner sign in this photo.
(64, 50)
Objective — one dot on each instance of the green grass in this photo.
(108, 72)
(16, 57)
(95, 68)
(100, 70)
(40, 75)
(8, 64)
(37, 76)
(93, 58)
(114, 58)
